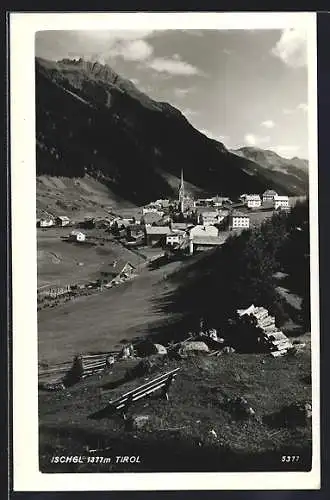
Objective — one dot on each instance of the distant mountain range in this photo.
(293, 171)
(90, 121)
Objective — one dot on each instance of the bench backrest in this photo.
(143, 390)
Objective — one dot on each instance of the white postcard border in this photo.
(27, 477)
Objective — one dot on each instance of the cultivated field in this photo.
(62, 263)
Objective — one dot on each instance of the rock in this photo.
(191, 348)
(241, 407)
(228, 350)
(137, 422)
(110, 361)
(127, 351)
(160, 349)
(147, 348)
(212, 334)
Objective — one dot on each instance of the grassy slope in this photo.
(194, 409)
(76, 198)
(103, 320)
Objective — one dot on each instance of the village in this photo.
(184, 225)
(162, 230)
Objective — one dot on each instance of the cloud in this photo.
(172, 65)
(255, 140)
(88, 44)
(227, 51)
(132, 50)
(189, 113)
(268, 124)
(303, 106)
(287, 151)
(291, 48)
(136, 81)
(179, 92)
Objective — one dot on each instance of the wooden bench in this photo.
(163, 382)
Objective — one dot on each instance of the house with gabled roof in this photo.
(156, 234)
(62, 220)
(269, 195)
(239, 220)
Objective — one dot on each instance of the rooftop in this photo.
(210, 240)
(75, 232)
(253, 196)
(151, 217)
(207, 211)
(239, 214)
(181, 225)
(161, 230)
(270, 192)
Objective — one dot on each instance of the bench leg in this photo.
(167, 387)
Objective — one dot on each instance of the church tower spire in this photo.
(181, 193)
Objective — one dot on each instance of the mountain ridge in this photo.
(92, 121)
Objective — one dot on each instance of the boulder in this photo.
(110, 361)
(148, 348)
(240, 407)
(137, 422)
(212, 334)
(193, 347)
(228, 350)
(127, 351)
(160, 349)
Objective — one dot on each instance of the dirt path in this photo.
(101, 321)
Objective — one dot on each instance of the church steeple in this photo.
(181, 193)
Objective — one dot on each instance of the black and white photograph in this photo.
(171, 241)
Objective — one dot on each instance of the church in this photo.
(186, 203)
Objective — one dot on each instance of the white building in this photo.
(209, 218)
(174, 238)
(203, 202)
(269, 195)
(239, 221)
(152, 208)
(253, 200)
(77, 235)
(281, 202)
(218, 201)
(162, 203)
(48, 222)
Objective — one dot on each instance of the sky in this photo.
(241, 87)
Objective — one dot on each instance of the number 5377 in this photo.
(290, 458)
